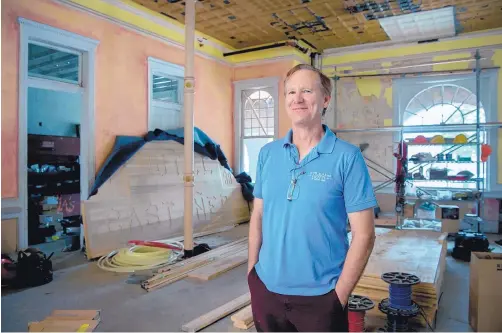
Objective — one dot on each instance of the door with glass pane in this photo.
(258, 116)
(166, 96)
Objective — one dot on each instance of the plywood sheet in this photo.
(144, 199)
(218, 313)
(219, 267)
(418, 252)
(9, 235)
(409, 251)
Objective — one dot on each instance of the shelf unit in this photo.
(476, 127)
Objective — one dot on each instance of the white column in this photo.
(189, 90)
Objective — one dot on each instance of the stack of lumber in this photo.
(418, 252)
(67, 321)
(205, 266)
(220, 312)
(243, 319)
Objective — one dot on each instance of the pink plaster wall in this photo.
(121, 82)
(278, 69)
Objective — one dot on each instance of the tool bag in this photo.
(33, 268)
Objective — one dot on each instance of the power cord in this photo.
(422, 312)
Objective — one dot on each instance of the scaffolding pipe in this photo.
(423, 128)
(441, 62)
(189, 90)
(427, 73)
(478, 129)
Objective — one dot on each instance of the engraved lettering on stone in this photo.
(223, 199)
(178, 169)
(200, 207)
(227, 177)
(211, 201)
(152, 214)
(168, 205)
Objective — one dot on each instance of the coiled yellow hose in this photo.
(138, 258)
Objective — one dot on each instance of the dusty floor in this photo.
(125, 306)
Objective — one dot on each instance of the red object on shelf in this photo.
(420, 139)
(486, 150)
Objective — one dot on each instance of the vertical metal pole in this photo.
(478, 129)
(189, 91)
(335, 102)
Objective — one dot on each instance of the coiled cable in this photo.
(139, 257)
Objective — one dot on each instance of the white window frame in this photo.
(163, 68)
(488, 100)
(271, 83)
(31, 31)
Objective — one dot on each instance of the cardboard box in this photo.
(490, 209)
(490, 227)
(450, 226)
(9, 236)
(409, 209)
(451, 212)
(68, 321)
(485, 292)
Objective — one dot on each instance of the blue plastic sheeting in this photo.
(126, 146)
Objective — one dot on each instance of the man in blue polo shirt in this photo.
(301, 268)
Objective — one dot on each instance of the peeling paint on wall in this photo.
(369, 87)
(388, 96)
(367, 102)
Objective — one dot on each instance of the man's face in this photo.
(304, 98)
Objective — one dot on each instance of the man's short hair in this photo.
(325, 81)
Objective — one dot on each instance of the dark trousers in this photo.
(283, 313)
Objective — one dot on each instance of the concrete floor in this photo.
(126, 307)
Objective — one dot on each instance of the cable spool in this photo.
(358, 305)
(399, 307)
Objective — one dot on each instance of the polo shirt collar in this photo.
(325, 146)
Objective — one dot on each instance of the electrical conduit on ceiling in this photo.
(292, 43)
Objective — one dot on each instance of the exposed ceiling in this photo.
(322, 23)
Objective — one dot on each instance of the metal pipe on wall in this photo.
(428, 73)
(189, 91)
(478, 129)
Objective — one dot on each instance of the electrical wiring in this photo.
(139, 257)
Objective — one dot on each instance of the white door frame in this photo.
(239, 86)
(31, 31)
(157, 66)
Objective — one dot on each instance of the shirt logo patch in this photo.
(320, 176)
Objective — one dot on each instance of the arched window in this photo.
(258, 125)
(443, 162)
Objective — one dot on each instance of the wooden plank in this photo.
(63, 326)
(243, 317)
(243, 326)
(219, 267)
(216, 314)
(180, 270)
(75, 314)
(173, 276)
